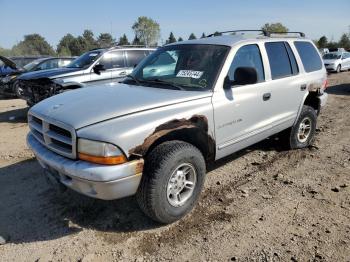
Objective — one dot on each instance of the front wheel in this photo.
(302, 133)
(338, 68)
(173, 178)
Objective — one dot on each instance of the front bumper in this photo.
(93, 180)
(331, 67)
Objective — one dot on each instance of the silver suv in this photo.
(185, 105)
(100, 65)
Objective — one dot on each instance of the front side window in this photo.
(280, 64)
(248, 56)
(49, 64)
(64, 62)
(190, 66)
(309, 56)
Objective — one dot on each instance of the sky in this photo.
(54, 19)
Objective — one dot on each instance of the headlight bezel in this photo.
(99, 152)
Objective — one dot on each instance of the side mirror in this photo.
(243, 76)
(98, 68)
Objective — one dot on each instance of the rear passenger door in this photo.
(286, 86)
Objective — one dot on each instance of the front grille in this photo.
(55, 136)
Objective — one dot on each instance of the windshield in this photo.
(84, 60)
(31, 65)
(191, 67)
(332, 56)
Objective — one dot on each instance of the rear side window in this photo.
(292, 60)
(309, 56)
(247, 56)
(135, 56)
(280, 64)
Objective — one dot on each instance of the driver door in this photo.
(240, 111)
(105, 74)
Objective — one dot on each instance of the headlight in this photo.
(100, 152)
(7, 79)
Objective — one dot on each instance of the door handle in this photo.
(303, 87)
(122, 73)
(266, 96)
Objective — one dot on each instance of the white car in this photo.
(337, 61)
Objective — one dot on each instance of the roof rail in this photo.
(265, 33)
(282, 33)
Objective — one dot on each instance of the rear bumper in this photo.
(93, 180)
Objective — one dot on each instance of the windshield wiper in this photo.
(137, 81)
(159, 81)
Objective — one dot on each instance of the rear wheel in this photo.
(173, 178)
(302, 133)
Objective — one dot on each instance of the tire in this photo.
(155, 196)
(17, 90)
(338, 69)
(293, 136)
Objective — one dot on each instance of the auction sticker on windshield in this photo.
(190, 74)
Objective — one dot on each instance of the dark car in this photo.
(23, 60)
(10, 71)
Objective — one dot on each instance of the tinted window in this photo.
(63, 62)
(49, 64)
(292, 60)
(279, 60)
(135, 56)
(117, 59)
(247, 56)
(309, 56)
(112, 60)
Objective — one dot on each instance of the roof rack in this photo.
(283, 33)
(264, 32)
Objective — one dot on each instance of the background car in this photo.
(98, 65)
(8, 83)
(337, 61)
(23, 60)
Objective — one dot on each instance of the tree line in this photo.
(146, 32)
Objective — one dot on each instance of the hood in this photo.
(9, 63)
(89, 105)
(51, 73)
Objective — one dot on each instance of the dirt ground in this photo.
(261, 204)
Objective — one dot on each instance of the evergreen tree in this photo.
(192, 36)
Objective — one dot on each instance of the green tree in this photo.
(344, 41)
(123, 40)
(79, 46)
(203, 35)
(89, 40)
(192, 36)
(137, 41)
(5, 52)
(171, 38)
(322, 42)
(33, 44)
(180, 39)
(105, 40)
(274, 27)
(65, 44)
(146, 30)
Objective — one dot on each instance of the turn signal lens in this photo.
(109, 160)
